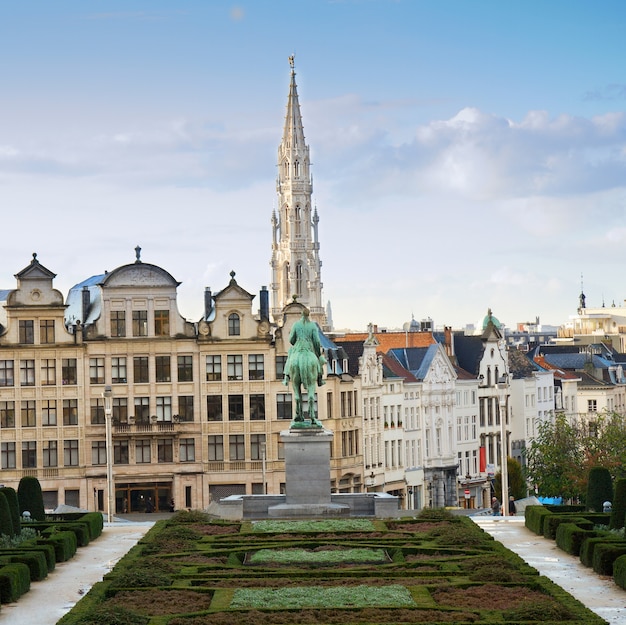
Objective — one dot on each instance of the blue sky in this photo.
(466, 154)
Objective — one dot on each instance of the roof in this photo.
(469, 351)
(391, 340)
(560, 374)
(520, 365)
(417, 360)
(393, 369)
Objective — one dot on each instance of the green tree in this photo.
(599, 488)
(31, 498)
(517, 483)
(555, 459)
(14, 507)
(6, 523)
(618, 513)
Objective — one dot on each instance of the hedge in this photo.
(14, 581)
(534, 518)
(64, 543)
(34, 560)
(14, 507)
(619, 572)
(569, 537)
(589, 544)
(605, 554)
(552, 522)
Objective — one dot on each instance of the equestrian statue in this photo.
(304, 367)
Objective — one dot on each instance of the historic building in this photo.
(196, 407)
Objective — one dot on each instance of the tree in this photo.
(14, 507)
(31, 498)
(618, 513)
(599, 489)
(6, 523)
(556, 460)
(517, 483)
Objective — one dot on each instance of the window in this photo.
(70, 412)
(119, 409)
(29, 454)
(140, 370)
(236, 447)
(185, 368)
(163, 369)
(7, 455)
(69, 371)
(6, 373)
(256, 367)
(234, 325)
(162, 322)
(118, 370)
(143, 451)
(140, 323)
(50, 454)
(27, 331)
(120, 452)
(28, 413)
(235, 407)
(280, 367)
(165, 450)
(142, 410)
(7, 414)
(27, 372)
(48, 372)
(185, 407)
(257, 407)
(187, 450)
(283, 405)
(214, 407)
(234, 365)
(118, 323)
(164, 408)
(96, 370)
(46, 331)
(213, 368)
(98, 452)
(592, 405)
(257, 446)
(216, 448)
(97, 411)
(70, 453)
(49, 412)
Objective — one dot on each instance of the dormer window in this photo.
(234, 325)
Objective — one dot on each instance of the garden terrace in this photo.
(436, 568)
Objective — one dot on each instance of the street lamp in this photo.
(263, 451)
(107, 394)
(503, 386)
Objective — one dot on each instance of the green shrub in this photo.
(14, 507)
(141, 578)
(569, 537)
(34, 560)
(191, 516)
(6, 522)
(435, 514)
(534, 518)
(537, 610)
(599, 488)
(30, 498)
(14, 581)
(618, 512)
(112, 615)
(64, 543)
(552, 522)
(589, 545)
(619, 572)
(605, 554)
(95, 522)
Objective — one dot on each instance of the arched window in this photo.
(287, 293)
(234, 325)
(299, 279)
(286, 168)
(296, 169)
(298, 228)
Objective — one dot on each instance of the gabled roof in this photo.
(520, 365)
(560, 374)
(469, 352)
(353, 351)
(35, 270)
(393, 369)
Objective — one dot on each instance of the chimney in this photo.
(85, 303)
(449, 345)
(208, 302)
(265, 304)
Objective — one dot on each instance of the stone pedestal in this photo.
(307, 475)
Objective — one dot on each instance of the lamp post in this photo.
(503, 386)
(263, 451)
(107, 394)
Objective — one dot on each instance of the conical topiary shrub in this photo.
(30, 498)
(618, 513)
(6, 523)
(14, 507)
(599, 488)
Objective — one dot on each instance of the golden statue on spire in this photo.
(292, 60)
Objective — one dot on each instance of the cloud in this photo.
(611, 93)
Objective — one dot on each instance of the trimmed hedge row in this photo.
(14, 581)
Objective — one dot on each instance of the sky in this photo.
(466, 154)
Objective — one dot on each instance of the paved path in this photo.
(598, 593)
(47, 601)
